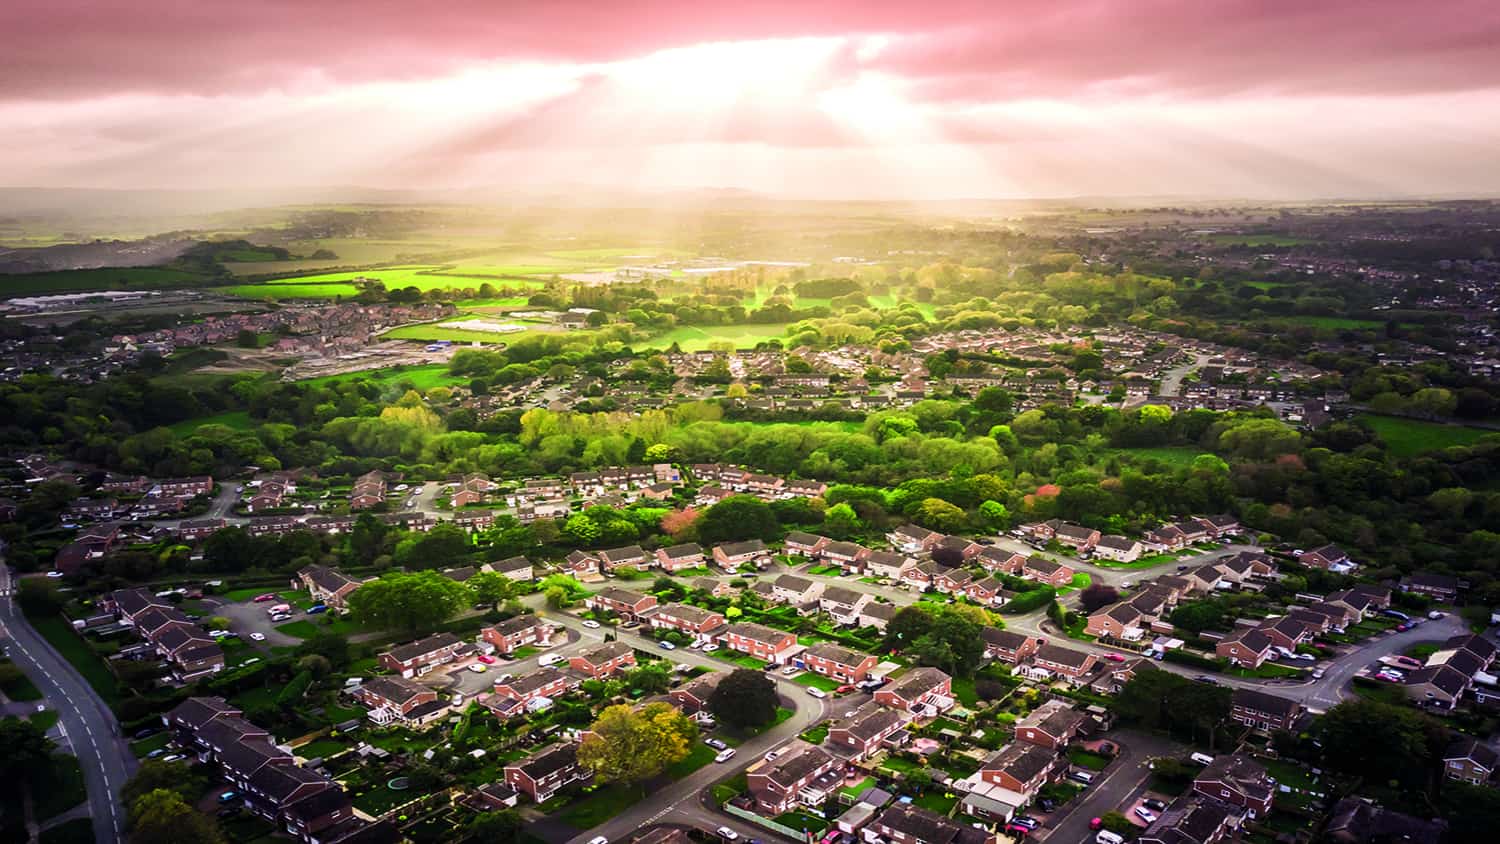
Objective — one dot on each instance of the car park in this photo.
(725, 755)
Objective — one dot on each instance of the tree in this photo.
(907, 626)
(445, 546)
(939, 515)
(1097, 595)
(652, 678)
(502, 827)
(995, 516)
(1198, 616)
(954, 643)
(161, 816)
(736, 518)
(678, 523)
(840, 521)
(155, 774)
(490, 587)
(24, 749)
(1379, 741)
(629, 747)
(328, 645)
(409, 602)
(744, 699)
(38, 596)
(366, 539)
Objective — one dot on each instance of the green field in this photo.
(694, 338)
(431, 332)
(1332, 323)
(237, 419)
(1405, 437)
(1259, 239)
(421, 377)
(110, 278)
(293, 291)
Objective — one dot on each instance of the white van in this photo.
(549, 659)
(1202, 758)
(1107, 837)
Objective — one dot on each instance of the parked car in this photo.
(598, 839)
(1397, 614)
(1081, 778)
(1319, 672)
(1204, 678)
(159, 752)
(1096, 823)
(844, 689)
(666, 646)
(1153, 804)
(549, 659)
(816, 692)
(317, 609)
(591, 624)
(478, 667)
(710, 647)
(716, 744)
(1434, 615)
(771, 755)
(269, 596)
(1114, 657)
(725, 755)
(1016, 830)
(228, 796)
(790, 670)
(1145, 814)
(486, 659)
(1028, 822)
(257, 637)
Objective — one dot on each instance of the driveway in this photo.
(1124, 778)
(248, 617)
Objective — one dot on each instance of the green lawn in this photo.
(381, 799)
(525, 651)
(858, 788)
(941, 802)
(319, 748)
(306, 628)
(898, 765)
(111, 278)
(963, 689)
(60, 634)
(22, 689)
(146, 745)
(1268, 670)
(816, 681)
(694, 338)
(44, 720)
(700, 755)
(604, 803)
(802, 821)
(239, 420)
(1334, 323)
(742, 660)
(1406, 437)
(1084, 759)
(421, 377)
(815, 735)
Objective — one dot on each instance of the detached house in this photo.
(326, 585)
(800, 544)
(1064, 662)
(731, 555)
(1002, 561)
(397, 700)
(913, 539)
(1263, 711)
(778, 787)
(1329, 558)
(508, 635)
(843, 605)
(1045, 571)
(1246, 647)
(630, 555)
(1470, 760)
(685, 618)
(790, 589)
(692, 696)
(621, 602)
(886, 564)
(1118, 548)
(1008, 646)
(1052, 725)
(604, 660)
(1022, 769)
(675, 558)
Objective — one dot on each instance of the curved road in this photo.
(88, 724)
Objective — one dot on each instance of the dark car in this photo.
(1153, 804)
(1047, 804)
(146, 732)
(1204, 678)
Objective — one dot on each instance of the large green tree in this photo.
(161, 816)
(627, 746)
(745, 698)
(408, 601)
(1379, 741)
(735, 518)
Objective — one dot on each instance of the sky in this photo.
(847, 99)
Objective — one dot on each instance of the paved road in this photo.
(1120, 783)
(1171, 380)
(680, 798)
(1321, 694)
(89, 725)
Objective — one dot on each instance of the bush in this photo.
(1028, 601)
(1182, 656)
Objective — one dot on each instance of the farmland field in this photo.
(1331, 322)
(293, 291)
(1406, 437)
(112, 278)
(239, 420)
(696, 338)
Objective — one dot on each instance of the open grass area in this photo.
(109, 278)
(433, 332)
(941, 802)
(1332, 323)
(293, 291)
(1406, 437)
(22, 689)
(816, 681)
(815, 735)
(421, 377)
(146, 745)
(700, 755)
(239, 420)
(801, 821)
(601, 805)
(693, 338)
(1230, 238)
(305, 628)
(381, 799)
(1084, 759)
(59, 633)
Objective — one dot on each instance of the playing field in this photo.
(421, 377)
(694, 338)
(1406, 437)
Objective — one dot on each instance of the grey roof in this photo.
(422, 647)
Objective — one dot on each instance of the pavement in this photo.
(85, 721)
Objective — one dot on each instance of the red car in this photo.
(269, 596)
(486, 659)
(844, 689)
(1114, 657)
(1017, 830)
(1096, 823)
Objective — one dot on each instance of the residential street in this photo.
(1124, 778)
(87, 722)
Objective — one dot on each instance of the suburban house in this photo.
(1357, 820)
(1439, 587)
(1052, 725)
(580, 564)
(1008, 646)
(1201, 822)
(778, 786)
(908, 823)
(1329, 557)
(715, 588)
(913, 539)
(1246, 647)
(1286, 632)
(731, 555)
(1022, 769)
(958, 547)
(414, 659)
(518, 692)
(621, 602)
(1437, 686)
(544, 773)
(877, 615)
(692, 696)
(1264, 711)
(801, 544)
(842, 604)
(999, 560)
(516, 568)
(953, 581)
(678, 557)
(630, 555)
(603, 660)
(838, 662)
(1121, 621)
(990, 590)
(685, 618)
(368, 491)
(923, 575)
(508, 635)
(1045, 571)
(1118, 548)
(1237, 779)
(887, 564)
(1077, 537)
(921, 692)
(864, 731)
(326, 585)
(794, 590)
(397, 700)
(1064, 662)
(1470, 760)
(760, 641)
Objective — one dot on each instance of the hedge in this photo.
(1028, 601)
(1185, 657)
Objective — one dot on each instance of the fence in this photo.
(743, 814)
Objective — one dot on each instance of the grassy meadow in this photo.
(1406, 437)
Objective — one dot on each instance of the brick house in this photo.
(886, 564)
(1002, 561)
(1052, 725)
(414, 659)
(862, 733)
(621, 602)
(1286, 632)
(692, 696)
(760, 641)
(678, 557)
(604, 660)
(877, 615)
(1022, 768)
(544, 773)
(397, 700)
(580, 564)
(326, 585)
(913, 539)
(693, 621)
(630, 555)
(794, 590)
(1439, 587)
(777, 787)
(1246, 647)
(801, 544)
(843, 605)
(1008, 646)
(544, 682)
(1329, 558)
(838, 662)
(731, 555)
(1118, 548)
(516, 632)
(1077, 537)
(1470, 760)
(516, 568)
(1238, 780)
(1045, 571)
(1064, 662)
(1117, 621)
(1263, 711)
(908, 823)
(921, 692)
(989, 591)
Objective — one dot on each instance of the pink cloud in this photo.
(963, 50)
